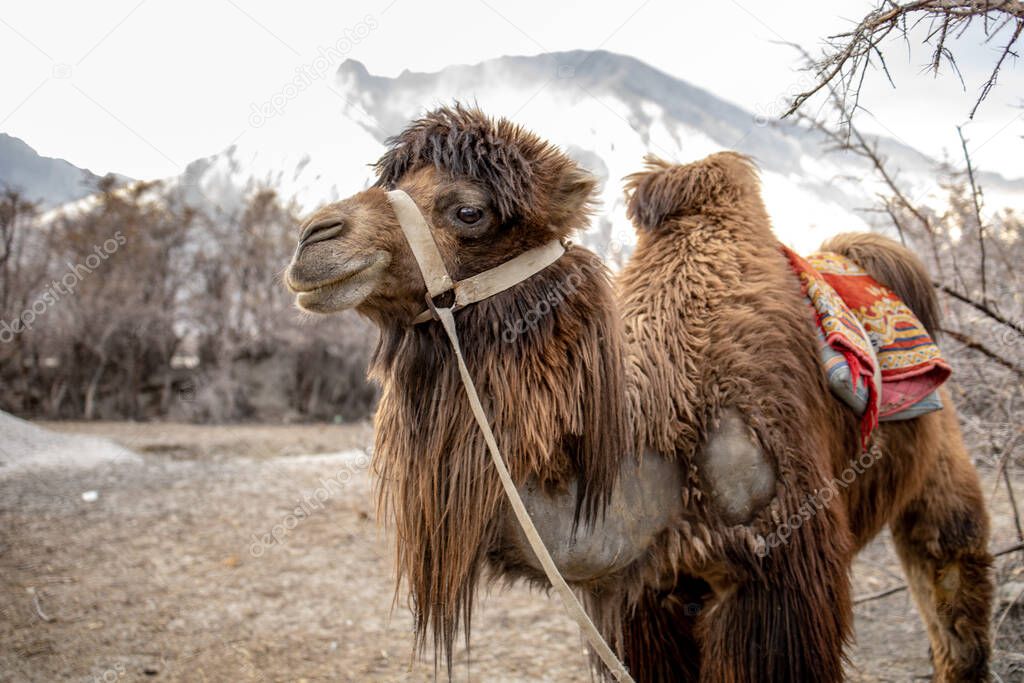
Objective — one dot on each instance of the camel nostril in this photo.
(321, 230)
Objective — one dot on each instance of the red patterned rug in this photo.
(872, 332)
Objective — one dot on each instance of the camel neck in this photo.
(546, 358)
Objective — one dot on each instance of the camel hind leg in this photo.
(941, 537)
(791, 621)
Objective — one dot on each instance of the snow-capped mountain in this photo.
(315, 144)
(45, 180)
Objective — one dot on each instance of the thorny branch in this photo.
(848, 56)
(981, 307)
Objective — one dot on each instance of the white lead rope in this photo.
(435, 275)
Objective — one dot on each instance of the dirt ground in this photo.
(193, 564)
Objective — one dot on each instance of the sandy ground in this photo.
(161, 568)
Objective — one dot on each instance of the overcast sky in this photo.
(142, 88)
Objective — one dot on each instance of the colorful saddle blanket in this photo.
(878, 357)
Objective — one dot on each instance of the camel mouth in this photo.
(344, 290)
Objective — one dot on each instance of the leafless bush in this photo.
(141, 306)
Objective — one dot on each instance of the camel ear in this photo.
(664, 190)
(573, 198)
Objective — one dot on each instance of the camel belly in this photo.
(644, 502)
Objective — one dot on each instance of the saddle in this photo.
(878, 357)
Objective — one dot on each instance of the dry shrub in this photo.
(142, 305)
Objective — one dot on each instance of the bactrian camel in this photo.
(659, 426)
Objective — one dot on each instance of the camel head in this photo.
(489, 190)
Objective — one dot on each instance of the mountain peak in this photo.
(353, 67)
(41, 179)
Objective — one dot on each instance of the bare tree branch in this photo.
(975, 345)
(991, 82)
(1013, 504)
(975, 198)
(1004, 456)
(849, 55)
(902, 587)
(979, 306)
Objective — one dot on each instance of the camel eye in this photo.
(469, 214)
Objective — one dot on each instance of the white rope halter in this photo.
(472, 289)
(468, 291)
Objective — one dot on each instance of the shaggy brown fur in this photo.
(707, 318)
(531, 183)
(745, 340)
(738, 336)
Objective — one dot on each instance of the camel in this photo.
(659, 426)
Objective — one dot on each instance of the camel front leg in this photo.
(788, 618)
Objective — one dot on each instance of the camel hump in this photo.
(896, 267)
(664, 190)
